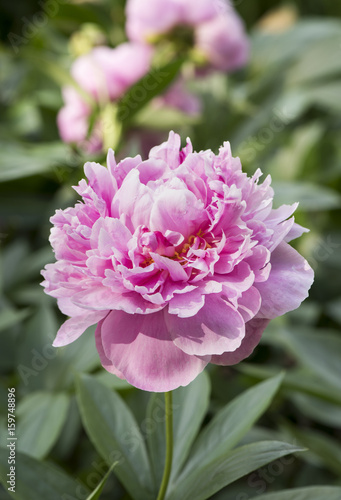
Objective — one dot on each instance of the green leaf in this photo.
(97, 491)
(116, 436)
(10, 317)
(205, 480)
(230, 424)
(310, 493)
(39, 481)
(295, 380)
(311, 197)
(151, 85)
(317, 409)
(329, 63)
(321, 352)
(327, 96)
(190, 405)
(19, 160)
(320, 447)
(164, 118)
(111, 381)
(41, 416)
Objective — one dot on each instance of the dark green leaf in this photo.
(310, 493)
(151, 85)
(97, 492)
(41, 416)
(39, 481)
(116, 436)
(205, 480)
(231, 424)
(311, 197)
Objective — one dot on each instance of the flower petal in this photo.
(73, 328)
(253, 333)
(288, 283)
(186, 305)
(105, 362)
(141, 349)
(218, 327)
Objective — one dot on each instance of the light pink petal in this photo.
(295, 232)
(218, 327)
(289, 282)
(253, 333)
(105, 362)
(280, 232)
(73, 124)
(152, 170)
(68, 308)
(259, 263)
(134, 200)
(249, 303)
(150, 17)
(224, 42)
(73, 328)
(123, 66)
(168, 151)
(176, 271)
(100, 297)
(107, 73)
(186, 305)
(177, 210)
(198, 11)
(100, 180)
(141, 349)
(280, 214)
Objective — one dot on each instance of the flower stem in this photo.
(169, 445)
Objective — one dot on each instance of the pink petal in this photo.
(253, 333)
(176, 271)
(259, 263)
(290, 279)
(218, 327)
(105, 362)
(295, 232)
(100, 297)
(168, 151)
(73, 328)
(177, 210)
(141, 349)
(186, 305)
(249, 303)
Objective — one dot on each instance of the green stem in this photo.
(169, 445)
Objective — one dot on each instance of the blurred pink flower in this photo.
(223, 41)
(105, 74)
(180, 258)
(218, 30)
(178, 97)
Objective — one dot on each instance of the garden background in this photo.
(282, 113)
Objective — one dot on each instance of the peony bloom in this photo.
(105, 74)
(218, 31)
(181, 260)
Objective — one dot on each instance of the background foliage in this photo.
(282, 114)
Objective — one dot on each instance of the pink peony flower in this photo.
(223, 42)
(105, 74)
(181, 260)
(218, 30)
